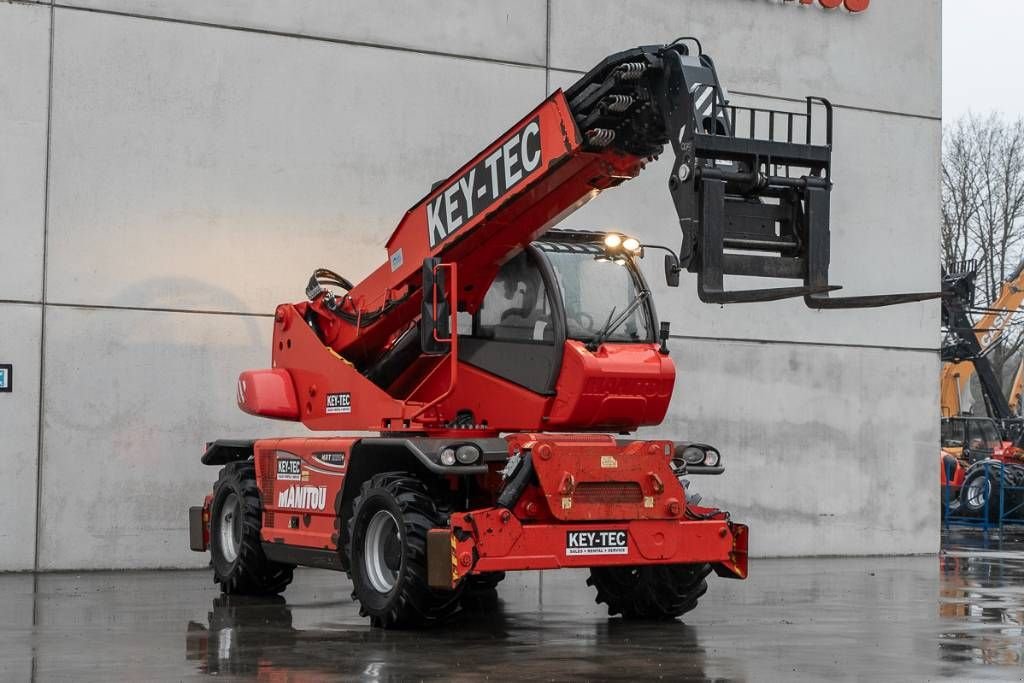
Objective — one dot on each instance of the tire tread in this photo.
(653, 592)
(252, 573)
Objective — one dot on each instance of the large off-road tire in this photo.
(664, 591)
(236, 516)
(981, 494)
(388, 553)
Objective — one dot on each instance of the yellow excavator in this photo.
(956, 376)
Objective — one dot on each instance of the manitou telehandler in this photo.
(492, 354)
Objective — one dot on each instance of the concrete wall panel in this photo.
(512, 30)
(884, 58)
(884, 238)
(24, 79)
(19, 435)
(229, 165)
(828, 450)
(130, 397)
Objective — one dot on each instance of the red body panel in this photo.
(588, 487)
(590, 477)
(269, 393)
(504, 406)
(619, 387)
(299, 501)
(500, 542)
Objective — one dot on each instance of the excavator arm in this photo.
(998, 315)
(969, 344)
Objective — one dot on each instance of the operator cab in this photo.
(570, 285)
(976, 438)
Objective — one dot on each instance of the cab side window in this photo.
(516, 307)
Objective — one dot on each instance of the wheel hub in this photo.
(977, 493)
(230, 527)
(382, 551)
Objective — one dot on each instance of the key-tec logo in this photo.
(850, 5)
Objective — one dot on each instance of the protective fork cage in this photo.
(751, 186)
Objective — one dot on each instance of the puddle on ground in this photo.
(981, 597)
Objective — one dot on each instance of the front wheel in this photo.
(388, 553)
(236, 549)
(664, 591)
(982, 494)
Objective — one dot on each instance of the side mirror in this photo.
(672, 267)
(672, 270)
(435, 311)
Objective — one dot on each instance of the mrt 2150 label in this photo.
(597, 542)
(475, 190)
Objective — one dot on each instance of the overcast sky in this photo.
(982, 57)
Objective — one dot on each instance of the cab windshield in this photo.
(602, 297)
(972, 434)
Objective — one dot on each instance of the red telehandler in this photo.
(492, 354)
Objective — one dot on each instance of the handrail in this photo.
(453, 340)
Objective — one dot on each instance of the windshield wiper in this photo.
(613, 324)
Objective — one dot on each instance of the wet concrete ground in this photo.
(958, 615)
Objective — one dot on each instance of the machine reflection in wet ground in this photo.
(982, 598)
(958, 615)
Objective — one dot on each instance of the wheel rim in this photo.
(230, 527)
(382, 551)
(977, 493)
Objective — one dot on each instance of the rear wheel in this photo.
(650, 591)
(388, 553)
(236, 514)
